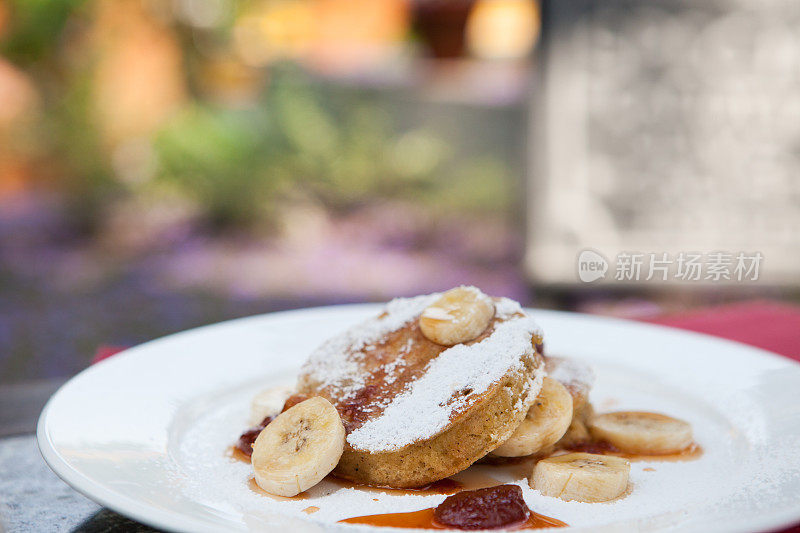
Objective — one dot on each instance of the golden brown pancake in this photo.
(415, 411)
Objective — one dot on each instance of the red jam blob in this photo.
(489, 508)
(246, 440)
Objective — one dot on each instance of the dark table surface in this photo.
(32, 497)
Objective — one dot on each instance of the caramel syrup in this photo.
(238, 455)
(424, 520)
(690, 453)
(472, 478)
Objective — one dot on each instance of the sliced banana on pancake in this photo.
(268, 402)
(582, 477)
(642, 432)
(298, 448)
(546, 422)
(459, 315)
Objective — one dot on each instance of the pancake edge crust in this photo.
(468, 438)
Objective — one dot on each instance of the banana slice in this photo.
(459, 315)
(642, 432)
(298, 448)
(582, 477)
(268, 402)
(546, 422)
(578, 432)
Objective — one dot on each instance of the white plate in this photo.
(146, 432)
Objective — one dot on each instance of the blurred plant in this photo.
(241, 160)
(348, 154)
(85, 176)
(238, 164)
(68, 152)
(479, 185)
(35, 29)
(217, 157)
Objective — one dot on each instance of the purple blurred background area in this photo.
(65, 295)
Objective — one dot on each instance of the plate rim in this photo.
(176, 521)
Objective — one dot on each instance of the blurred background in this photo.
(166, 164)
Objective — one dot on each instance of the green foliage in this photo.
(478, 185)
(220, 158)
(238, 164)
(36, 28)
(85, 174)
(297, 140)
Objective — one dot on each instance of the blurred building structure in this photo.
(666, 127)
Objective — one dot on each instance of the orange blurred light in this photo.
(503, 29)
(138, 78)
(357, 32)
(328, 34)
(275, 29)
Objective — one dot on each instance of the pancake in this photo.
(415, 411)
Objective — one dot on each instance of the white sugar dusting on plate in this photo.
(425, 408)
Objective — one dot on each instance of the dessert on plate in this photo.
(436, 383)
(429, 386)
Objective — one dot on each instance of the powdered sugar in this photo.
(505, 308)
(336, 362)
(426, 406)
(571, 372)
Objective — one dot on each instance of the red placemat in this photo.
(769, 325)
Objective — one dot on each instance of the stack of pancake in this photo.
(436, 382)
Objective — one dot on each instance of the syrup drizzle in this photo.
(690, 453)
(424, 519)
(470, 479)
